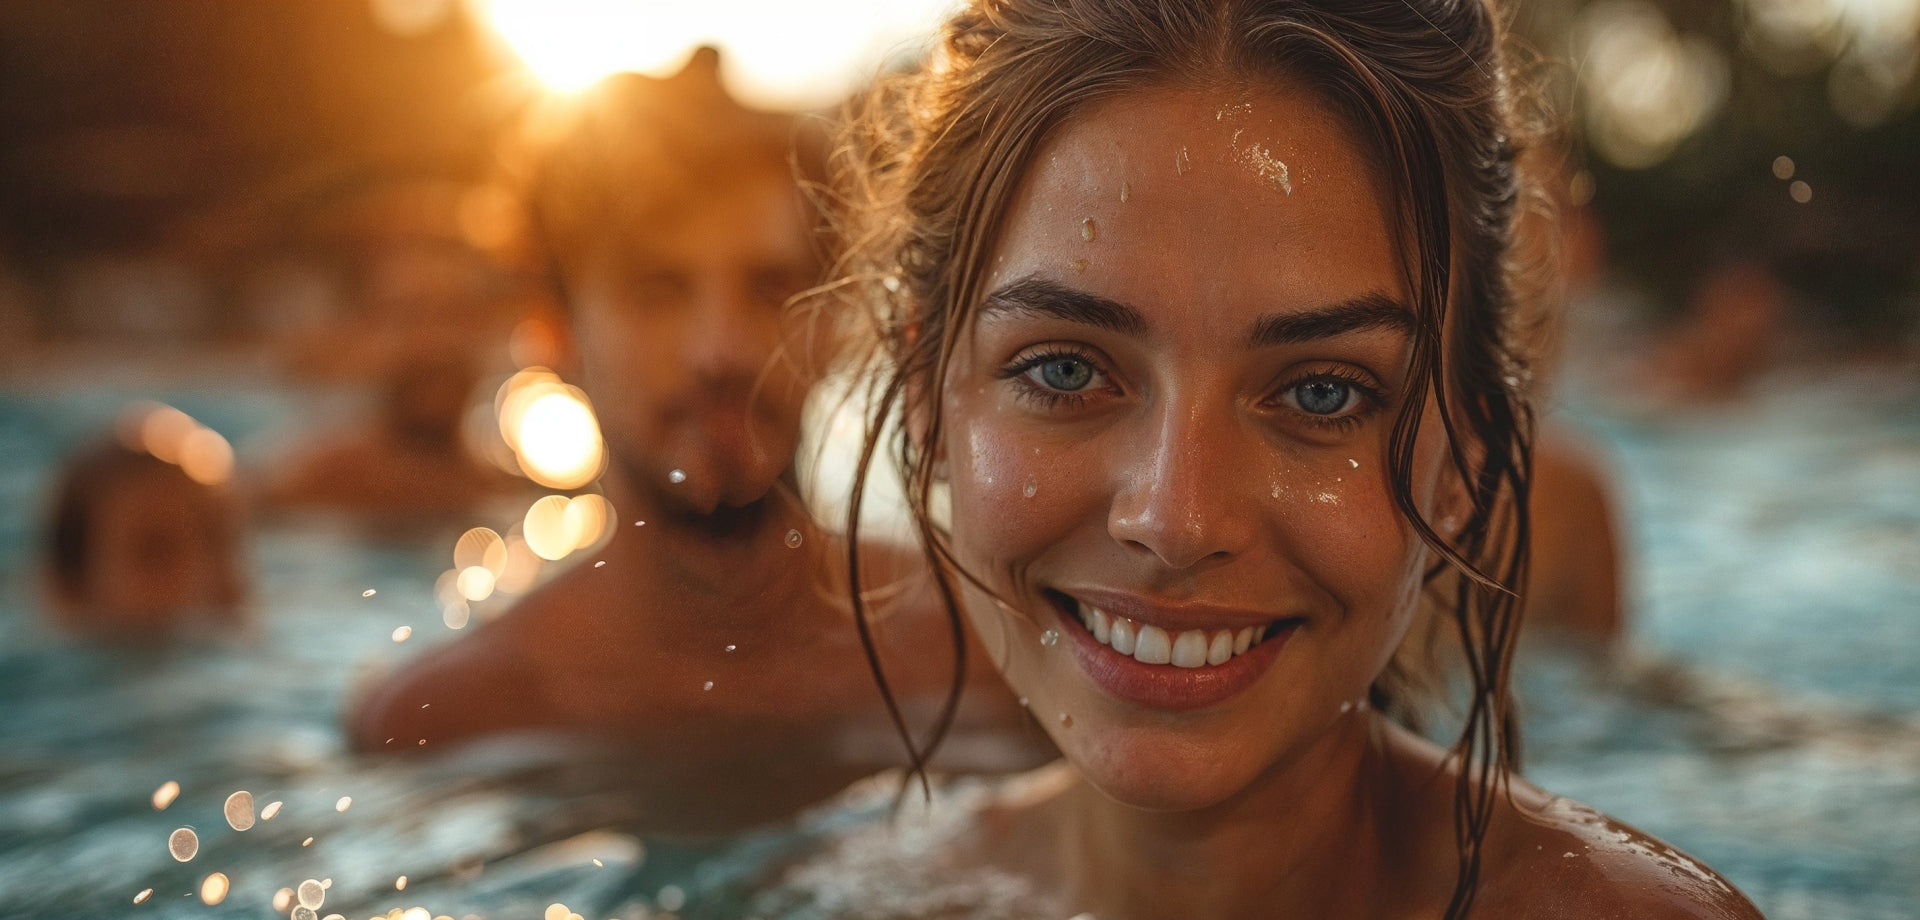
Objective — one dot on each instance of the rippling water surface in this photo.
(1770, 722)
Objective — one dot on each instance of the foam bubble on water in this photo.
(1050, 638)
(402, 633)
(282, 900)
(142, 897)
(311, 894)
(239, 810)
(268, 813)
(346, 802)
(794, 539)
(677, 476)
(183, 844)
(214, 889)
(164, 796)
(671, 898)
(369, 592)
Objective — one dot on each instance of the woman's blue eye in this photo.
(1322, 397)
(1066, 374)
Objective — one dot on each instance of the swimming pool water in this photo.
(1771, 724)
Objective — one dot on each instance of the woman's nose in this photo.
(1179, 494)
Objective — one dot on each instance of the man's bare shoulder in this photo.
(1556, 858)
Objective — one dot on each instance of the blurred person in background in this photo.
(410, 459)
(145, 534)
(711, 626)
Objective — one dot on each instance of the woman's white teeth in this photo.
(1150, 644)
(1154, 646)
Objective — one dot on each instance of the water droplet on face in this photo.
(707, 686)
(239, 809)
(1276, 491)
(142, 897)
(794, 539)
(1029, 489)
(1023, 702)
(1050, 638)
(600, 564)
(1079, 266)
(311, 894)
(677, 477)
(402, 633)
(639, 523)
(214, 889)
(164, 796)
(732, 647)
(368, 593)
(346, 802)
(273, 808)
(1086, 230)
(1180, 162)
(183, 844)
(1125, 191)
(1066, 721)
(1353, 463)
(1346, 706)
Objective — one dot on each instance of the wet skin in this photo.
(1181, 412)
(678, 337)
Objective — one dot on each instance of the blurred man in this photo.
(713, 637)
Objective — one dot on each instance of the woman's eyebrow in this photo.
(1040, 297)
(1372, 310)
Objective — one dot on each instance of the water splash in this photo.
(214, 889)
(346, 802)
(164, 796)
(311, 894)
(402, 633)
(369, 592)
(273, 808)
(142, 897)
(239, 810)
(184, 844)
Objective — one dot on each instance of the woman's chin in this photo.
(1182, 779)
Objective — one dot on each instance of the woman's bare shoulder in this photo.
(1554, 857)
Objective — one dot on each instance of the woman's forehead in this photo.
(1250, 200)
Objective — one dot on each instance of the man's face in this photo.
(690, 359)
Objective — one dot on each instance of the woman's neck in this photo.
(1325, 836)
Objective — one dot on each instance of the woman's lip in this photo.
(1171, 617)
(1165, 686)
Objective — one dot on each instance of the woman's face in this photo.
(1166, 435)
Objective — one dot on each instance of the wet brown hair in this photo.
(931, 165)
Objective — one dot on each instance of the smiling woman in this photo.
(1202, 317)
